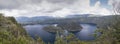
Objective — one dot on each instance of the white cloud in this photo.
(97, 9)
(13, 12)
(57, 8)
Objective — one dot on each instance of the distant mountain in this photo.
(32, 19)
(100, 21)
(22, 19)
(48, 18)
(78, 15)
(41, 18)
(82, 15)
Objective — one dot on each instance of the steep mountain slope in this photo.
(12, 33)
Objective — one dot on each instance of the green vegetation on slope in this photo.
(12, 33)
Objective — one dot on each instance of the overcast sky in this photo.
(56, 8)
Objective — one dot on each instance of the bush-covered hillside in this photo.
(12, 33)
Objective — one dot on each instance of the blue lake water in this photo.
(85, 34)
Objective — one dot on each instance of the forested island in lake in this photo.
(69, 26)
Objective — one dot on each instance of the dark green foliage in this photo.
(52, 29)
(12, 19)
(116, 27)
(70, 26)
(111, 35)
(13, 33)
(70, 39)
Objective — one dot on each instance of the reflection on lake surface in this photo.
(84, 34)
(87, 32)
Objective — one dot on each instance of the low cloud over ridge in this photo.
(56, 8)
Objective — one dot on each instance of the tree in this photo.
(116, 24)
(116, 7)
